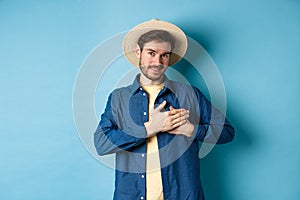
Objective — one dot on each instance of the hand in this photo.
(165, 121)
(186, 128)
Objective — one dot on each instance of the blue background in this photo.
(255, 45)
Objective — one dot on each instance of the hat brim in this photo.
(130, 40)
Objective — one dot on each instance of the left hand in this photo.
(186, 128)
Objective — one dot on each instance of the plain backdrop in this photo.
(255, 45)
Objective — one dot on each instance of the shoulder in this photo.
(185, 90)
(184, 87)
(120, 94)
(121, 90)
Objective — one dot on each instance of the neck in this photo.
(148, 82)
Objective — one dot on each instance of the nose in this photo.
(157, 60)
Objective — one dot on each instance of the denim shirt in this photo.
(121, 130)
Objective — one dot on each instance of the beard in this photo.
(152, 76)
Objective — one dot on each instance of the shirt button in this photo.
(142, 176)
(141, 88)
(142, 197)
(145, 113)
(143, 155)
(144, 94)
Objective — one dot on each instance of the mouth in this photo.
(156, 68)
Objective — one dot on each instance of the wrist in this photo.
(191, 129)
(149, 129)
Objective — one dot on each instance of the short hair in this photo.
(156, 35)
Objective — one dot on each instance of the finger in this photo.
(180, 119)
(183, 114)
(176, 116)
(178, 124)
(161, 106)
(180, 110)
(175, 111)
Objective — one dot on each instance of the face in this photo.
(154, 60)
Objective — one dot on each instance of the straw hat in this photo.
(130, 40)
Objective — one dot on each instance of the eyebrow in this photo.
(152, 50)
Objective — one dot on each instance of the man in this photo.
(155, 124)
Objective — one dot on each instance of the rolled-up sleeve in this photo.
(213, 127)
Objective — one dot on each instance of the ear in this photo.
(137, 51)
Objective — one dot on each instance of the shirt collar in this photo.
(135, 87)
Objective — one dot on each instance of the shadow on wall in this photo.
(218, 165)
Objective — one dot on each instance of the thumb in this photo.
(161, 106)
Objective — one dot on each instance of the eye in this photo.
(151, 53)
(167, 55)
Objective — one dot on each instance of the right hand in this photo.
(165, 121)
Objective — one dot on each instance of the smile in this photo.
(156, 68)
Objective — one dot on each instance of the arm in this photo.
(200, 120)
(109, 138)
(213, 127)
